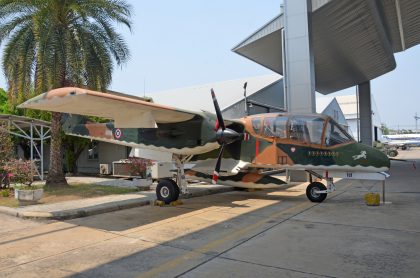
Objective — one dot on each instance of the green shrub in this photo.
(5, 193)
(6, 147)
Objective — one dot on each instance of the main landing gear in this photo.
(168, 190)
(317, 191)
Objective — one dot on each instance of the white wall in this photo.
(353, 129)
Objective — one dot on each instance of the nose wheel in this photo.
(314, 192)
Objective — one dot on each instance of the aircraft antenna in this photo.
(246, 101)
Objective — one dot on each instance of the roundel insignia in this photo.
(293, 149)
(117, 133)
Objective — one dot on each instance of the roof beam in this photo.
(400, 25)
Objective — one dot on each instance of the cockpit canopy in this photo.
(302, 129)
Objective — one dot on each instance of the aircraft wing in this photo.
(125, 111)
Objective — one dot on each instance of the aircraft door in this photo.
(275, 128)
(265, 148)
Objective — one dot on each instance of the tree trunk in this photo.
(55, 173)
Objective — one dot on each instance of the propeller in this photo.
(224, 136)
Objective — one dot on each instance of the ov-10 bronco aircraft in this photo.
(237, 152)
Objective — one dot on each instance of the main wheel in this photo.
(311, 192)
(392, 153)
(167, 191)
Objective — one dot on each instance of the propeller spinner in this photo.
(224, 136)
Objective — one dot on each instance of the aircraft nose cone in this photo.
(383, 159)
(373, 157)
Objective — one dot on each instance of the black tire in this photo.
(404, 147)
(175, 185)
(316, 197)
(392, 153)
(167, 191)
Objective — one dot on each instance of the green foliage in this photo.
(6, 148)
(5, 193)
(385, 129)
(54, 43)
(3, 102)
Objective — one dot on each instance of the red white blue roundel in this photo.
(117, 133)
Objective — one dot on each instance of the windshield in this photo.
(335, 135)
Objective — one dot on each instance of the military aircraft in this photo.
(237, 152)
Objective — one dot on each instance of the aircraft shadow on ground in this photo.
(136, 263)
(142, 216)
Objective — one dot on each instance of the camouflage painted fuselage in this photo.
(257, 150)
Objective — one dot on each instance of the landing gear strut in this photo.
(167, 189)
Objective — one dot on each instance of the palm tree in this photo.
(57, 43)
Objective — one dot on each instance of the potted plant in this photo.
(21, 177)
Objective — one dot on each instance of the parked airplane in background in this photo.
(230, 152)
(403, 141)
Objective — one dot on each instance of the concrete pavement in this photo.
(275, 233)
(97, 205)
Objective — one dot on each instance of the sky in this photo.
(183, 43)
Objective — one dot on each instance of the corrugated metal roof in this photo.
(353, 40)
(197, 98)
(23, 122)
(272, 26)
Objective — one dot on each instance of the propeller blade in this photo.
(218, 163)
(218, 112)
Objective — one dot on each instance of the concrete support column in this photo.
(365, 110)
(299, 69)
(298, 64)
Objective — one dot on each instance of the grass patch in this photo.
(86, 190)
(10, 202)
(71, 192)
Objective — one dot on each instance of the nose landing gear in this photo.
(317, 191)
